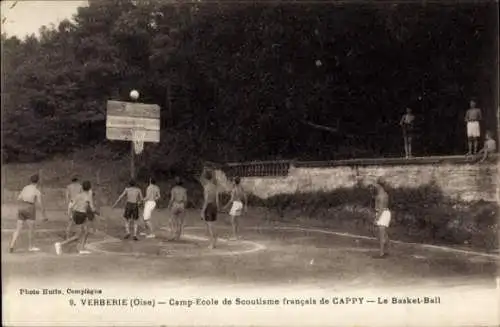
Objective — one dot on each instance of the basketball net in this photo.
(138, 139)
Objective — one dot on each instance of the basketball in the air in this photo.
(134, 94)
(318, 63)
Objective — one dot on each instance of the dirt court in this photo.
(268, 253)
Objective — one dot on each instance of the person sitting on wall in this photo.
(490, 147)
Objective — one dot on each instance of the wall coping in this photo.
(457, 160)
(388, 161)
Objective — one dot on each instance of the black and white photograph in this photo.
(250, 163)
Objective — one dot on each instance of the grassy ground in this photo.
(290, 262)
(275, 258)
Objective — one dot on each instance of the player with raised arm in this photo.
(238, 203)
(152, 195)
(131, 213)
(72, 190)
(177, 206)
(210, 205)
(26, 212)
(82, 204)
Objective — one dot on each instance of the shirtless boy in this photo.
(177, 206)
(238, 203)
(210, 205)
(382, 216)
(131, 213)
(490, 147)
(407, 126)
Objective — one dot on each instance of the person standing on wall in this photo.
(473, 117)
(407, 126)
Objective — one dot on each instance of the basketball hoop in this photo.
(138, 139)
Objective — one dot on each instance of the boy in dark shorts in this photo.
(72, 190)
(210, 205)
(82, 204)
(177, 206)
(27, 200)
(131, 213)
(238, 203)
(406, 123)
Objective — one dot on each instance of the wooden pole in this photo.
(132, 153)
(132, 160)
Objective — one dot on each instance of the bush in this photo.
(421, 214)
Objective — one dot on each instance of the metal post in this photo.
(132, 154)
(132, 160)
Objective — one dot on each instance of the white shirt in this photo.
(30, 193)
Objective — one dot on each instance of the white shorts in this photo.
(384, 219)
(236, 208)
(473, 129)
(149, 206)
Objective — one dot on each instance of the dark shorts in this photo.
(131, 211)
(26, 211)
(210, 213)
(407, 130)
(79, 218)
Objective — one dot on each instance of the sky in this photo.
(27, 16)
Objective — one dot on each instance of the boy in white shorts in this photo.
(472, 118)
(152, 195)
(238, 202)
(382, 217)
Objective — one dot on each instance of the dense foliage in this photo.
(240, 81)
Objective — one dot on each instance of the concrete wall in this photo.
(461, 181)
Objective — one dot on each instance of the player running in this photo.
(152, 195)
(238, 203)
(72, 190)
(131, 213)
(177, 206)
(382, 217)
(210, 205)
(82, 205)
(28, 198)
(472, 118)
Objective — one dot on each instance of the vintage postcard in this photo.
(250, 163)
